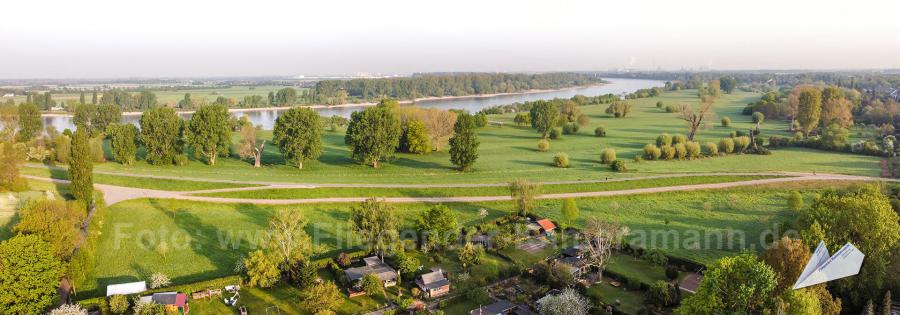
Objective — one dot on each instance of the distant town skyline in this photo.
(205, 38)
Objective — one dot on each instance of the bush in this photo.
(600, 131)
(607, 156)
(668, 152)
(655, 256)
(638, 158)
(693, 149)
(741, 143)
(556, 133)
(779, 142)
(726, 145)
(798, 136)
(664, 140)
(659, 104)
(543, 145)
(758, 117)
(712, 149)
(671, 272)
(680, 151)
(618, 166)
(671, 109)
(726, 121)
(570, 129)
(651, 152)
(679, 139)
(561, 160)
(180, 160)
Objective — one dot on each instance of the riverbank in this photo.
(355, 105)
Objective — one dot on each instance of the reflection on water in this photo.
(266, 118)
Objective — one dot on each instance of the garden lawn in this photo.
(625, 300)
(135, 182)
(634, 268)
(510, 152)
(192, 241)
(325, 192)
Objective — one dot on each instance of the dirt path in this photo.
(114, 194)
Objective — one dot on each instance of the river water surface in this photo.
(266, 117)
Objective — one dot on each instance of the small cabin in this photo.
(433, 284)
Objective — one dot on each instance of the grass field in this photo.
(625, 300)
(204, 240)
(510, 152)
(299, 193)
(131, 181)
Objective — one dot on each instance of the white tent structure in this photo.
(126, 288)
(821, 268)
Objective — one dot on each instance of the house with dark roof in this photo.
(433, 284)
(173, 302)
(373, 265)
(500, 308)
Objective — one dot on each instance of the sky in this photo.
(193, 38)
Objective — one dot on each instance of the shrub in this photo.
(668, 152)
(638, 158)
(671, 272)
(779, 142)
(180, 160)
(659, 104)
(693, 149)
(618, 166)
(671, 109)
(680, 151)
(561, 160)
(712, 149)
(118, 304)
(741, 143)
(570, 128)
(651, 152)
(543, 145)
(664, 140)
(655, 256)
(726, 121)
(607, 156)
(556, 133)
(600, 131)
(798, 136)
(679, 139)
(726, 145)
(758, 117)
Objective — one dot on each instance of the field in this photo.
(510, 152)
(192, 241)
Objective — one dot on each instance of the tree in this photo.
(523, 193)
(569, 302)
(697, 119)
(809, 109)
(373, 134)
(607, 156)
(406, 264)
(835, 137)
(569, 211)
(522, 119)
(29, 275)
(209, 132)
(376, 223)
(544, 116)
(287, 237)
(123, 142)
(81, 168)
(788, 257)
(12, 156)
(93, 97)
(248, 148)
(795, 201)
(55, 221)
(728, 84)
(262, 270)
(161, 131)
(371, 284)
(619, 109)
(470, 255)
(439, 124)
(602, 238)
(464, 143)
(736, 284)
(118, 304)
(659, 294)
(159, 280)
(799, 302)
(69, 309)
(865, 218)
(439, 226)
(84, 116)
(30, 122)
(106, 115)
(9, 120)
(323, 296)
(285, 96)
(837, 111)
(298, 134)
(415, 137)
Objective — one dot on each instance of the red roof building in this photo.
(546, 225)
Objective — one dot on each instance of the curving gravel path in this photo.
(114, 194)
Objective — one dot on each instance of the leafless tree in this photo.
(248, 147)
(698, 118)
(602, 237)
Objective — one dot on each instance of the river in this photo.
(266, 117)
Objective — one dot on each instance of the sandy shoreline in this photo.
(366, 104)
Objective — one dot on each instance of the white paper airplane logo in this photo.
(821, 268)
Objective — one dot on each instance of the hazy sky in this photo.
(150, 38)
